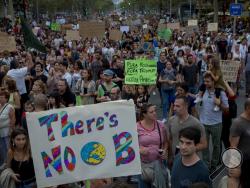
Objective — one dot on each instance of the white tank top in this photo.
(5, 120)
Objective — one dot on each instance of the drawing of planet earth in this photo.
(93, 153)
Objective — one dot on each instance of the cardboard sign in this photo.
(230, 70)
(92, 29)
(7, 42)
(84, 142)
(66, 27)
(115, 35)
(212, 27)
(72, 35)
(140, 71)
(174, 26)
(190, 30)
(162, 26)
(192, 22)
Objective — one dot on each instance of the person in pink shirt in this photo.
(153, 142)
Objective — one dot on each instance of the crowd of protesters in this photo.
(197, 104)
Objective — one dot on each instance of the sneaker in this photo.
(216, 108)
(164, 120)
(154, 93)
(198, 99)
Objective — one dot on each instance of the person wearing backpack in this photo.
(103, 91)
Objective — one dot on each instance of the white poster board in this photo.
(124, 29)
(192, 22)
(84, 142)
(212, 27)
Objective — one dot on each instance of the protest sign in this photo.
(66, 27)
(145, 26)
(84, 142)
(165, 34)
(162, 21)
(92, 29)
(124, 28)
(174, 26)
(140, 71)
(192, 22)
(72, 35)
(7, 42)
(115, 35)
(55, 27)
(230, 70)
(212, 27)
(162, 26)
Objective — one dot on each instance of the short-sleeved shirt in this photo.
(190, 74)
(19, 76)
(101, 92)
(174, 126)
(207, 114)
(241, 128)
(151, 140)
(184, 176)
(168, 75)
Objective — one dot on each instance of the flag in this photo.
(30, 40)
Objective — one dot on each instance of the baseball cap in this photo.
(108, 72)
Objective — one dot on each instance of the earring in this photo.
(13, 144)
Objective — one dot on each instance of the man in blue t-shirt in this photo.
(188, 168)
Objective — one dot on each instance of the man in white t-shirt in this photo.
(18, 74)
(66, 74)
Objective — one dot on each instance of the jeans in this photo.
(215, 132)
(167, 95)
(4, 145)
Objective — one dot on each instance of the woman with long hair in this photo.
(15, 98)
(19, 159)
(86, 87)
(7, 123)
(153, 145)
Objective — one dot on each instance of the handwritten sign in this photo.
(115, 35)
(72, 35)
(140, 72)
(92, 29)
(84, 142)
(212, 27)
(7, 42)
(174, 26)
(230, 70)
(192, 22)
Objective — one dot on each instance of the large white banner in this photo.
(84, 142)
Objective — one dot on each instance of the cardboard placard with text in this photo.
(230, 70)
(192, 22)
(72, 35)
(115, 35)
(174, 26)
(7, 42)
(92, 29)
(212, 27)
